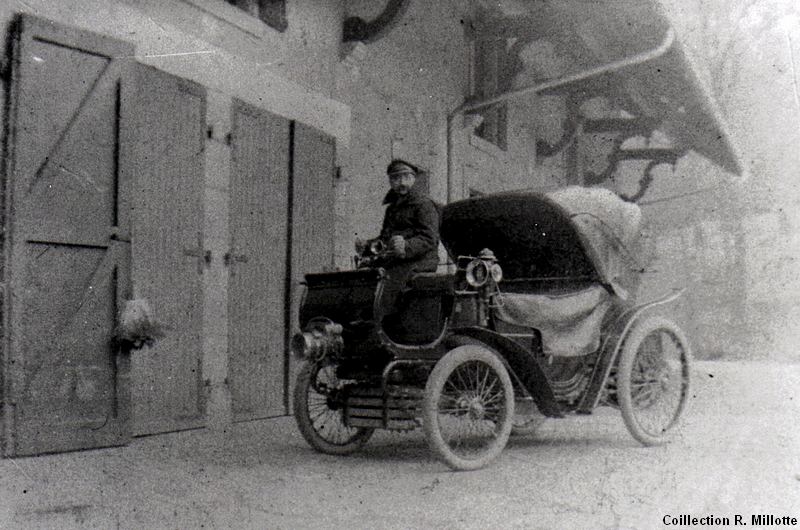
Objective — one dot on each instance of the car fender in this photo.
(612, 344)
(519, 360)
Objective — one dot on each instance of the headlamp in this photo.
(321, 338)
(477, 273)
(496, 272)
(376, 247)
(480, 270)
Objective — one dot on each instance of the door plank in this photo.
(167, 161)
(312, 216)
(312, 201)
(256, 289)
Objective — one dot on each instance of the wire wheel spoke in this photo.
(652, 379)
(658, 366)
(468, 407)
(327, 421)
(319, 412)
(471, 412)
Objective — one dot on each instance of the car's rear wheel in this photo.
(468, 407)
(527, 418)
(320, 415)
(653, 379)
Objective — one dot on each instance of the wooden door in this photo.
(167, 160)
(312, 200)
(259, 188)
(66, 244)
(312, 215)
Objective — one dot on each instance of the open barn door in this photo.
(66, 244)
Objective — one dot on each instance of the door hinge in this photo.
(226, 139)
(230, 257)
(203, 256)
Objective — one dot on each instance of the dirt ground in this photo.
(738, 453)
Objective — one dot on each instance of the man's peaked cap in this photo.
(398, 166)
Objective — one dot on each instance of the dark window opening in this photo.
(494, 126)
(491, 78)
(270, 12)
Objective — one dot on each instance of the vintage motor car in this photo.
(535, 319)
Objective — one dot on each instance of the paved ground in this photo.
(738, 453)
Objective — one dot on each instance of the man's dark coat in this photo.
(416, 218)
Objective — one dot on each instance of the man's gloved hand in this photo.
(397, 246)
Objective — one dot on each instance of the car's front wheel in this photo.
(468, 407)
(319, 413)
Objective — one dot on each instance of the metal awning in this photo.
(637, 53)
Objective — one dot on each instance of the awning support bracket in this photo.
(551, 86)
(655, 156)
